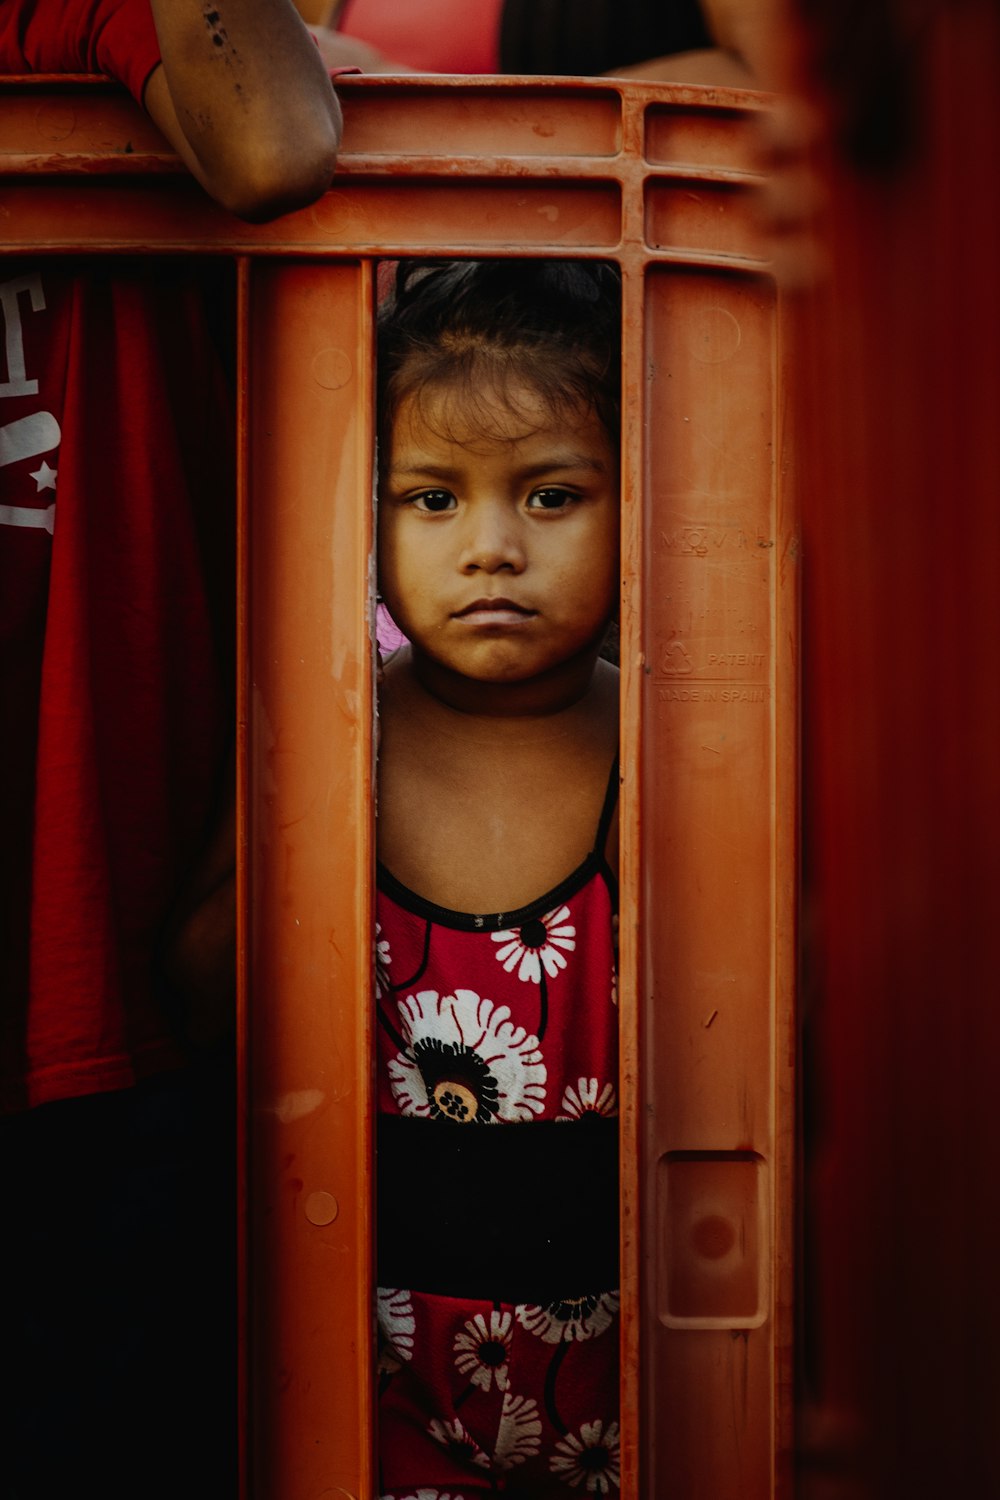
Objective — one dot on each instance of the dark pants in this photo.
(117, 1278)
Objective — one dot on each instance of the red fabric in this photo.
(110, 679)
(441, 1432)
(116, 37)
(437, 36)
(575, 1020)
(112, 707)
(479, 1392)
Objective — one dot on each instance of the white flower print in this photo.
(590, 1459)
(519, 1433)
(590, 1097)
(483, 1349)
(569, 1319)
(425, 1494)
(459, 1442)
(383, 958)
(396, 1322)
(466, 1061)
(536, 945)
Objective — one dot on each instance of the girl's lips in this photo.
(494, 612)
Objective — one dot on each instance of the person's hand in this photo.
(199, 962)
(197, 952)
(792, 198)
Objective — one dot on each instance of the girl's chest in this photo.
(491, 835)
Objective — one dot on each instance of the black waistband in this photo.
(505, 1213)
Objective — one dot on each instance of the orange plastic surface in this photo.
(658, 179)
(309, 830)
(717, 801)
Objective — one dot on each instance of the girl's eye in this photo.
(551, 498)
(434, 500)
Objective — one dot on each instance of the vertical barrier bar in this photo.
(243, 275)
(310, 880)
(716, 760)
(630, 880)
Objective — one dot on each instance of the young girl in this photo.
(495, 975)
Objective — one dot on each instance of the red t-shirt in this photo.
(115, 464)
(116, 37)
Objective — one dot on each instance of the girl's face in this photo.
(498, 554)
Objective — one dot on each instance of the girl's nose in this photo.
(492, 542)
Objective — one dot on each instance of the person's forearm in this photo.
(244, 98)
(717, 66)
(756, 32)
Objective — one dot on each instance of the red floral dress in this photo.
(497, 1262)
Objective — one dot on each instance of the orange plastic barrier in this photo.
(657, 179)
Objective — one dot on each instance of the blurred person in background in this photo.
(686, 41)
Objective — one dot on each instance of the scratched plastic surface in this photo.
(659, 180)
(714, 832)
(309, 873)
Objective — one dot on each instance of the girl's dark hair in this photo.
(482, 328)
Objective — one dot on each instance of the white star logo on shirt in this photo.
(45, 478)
